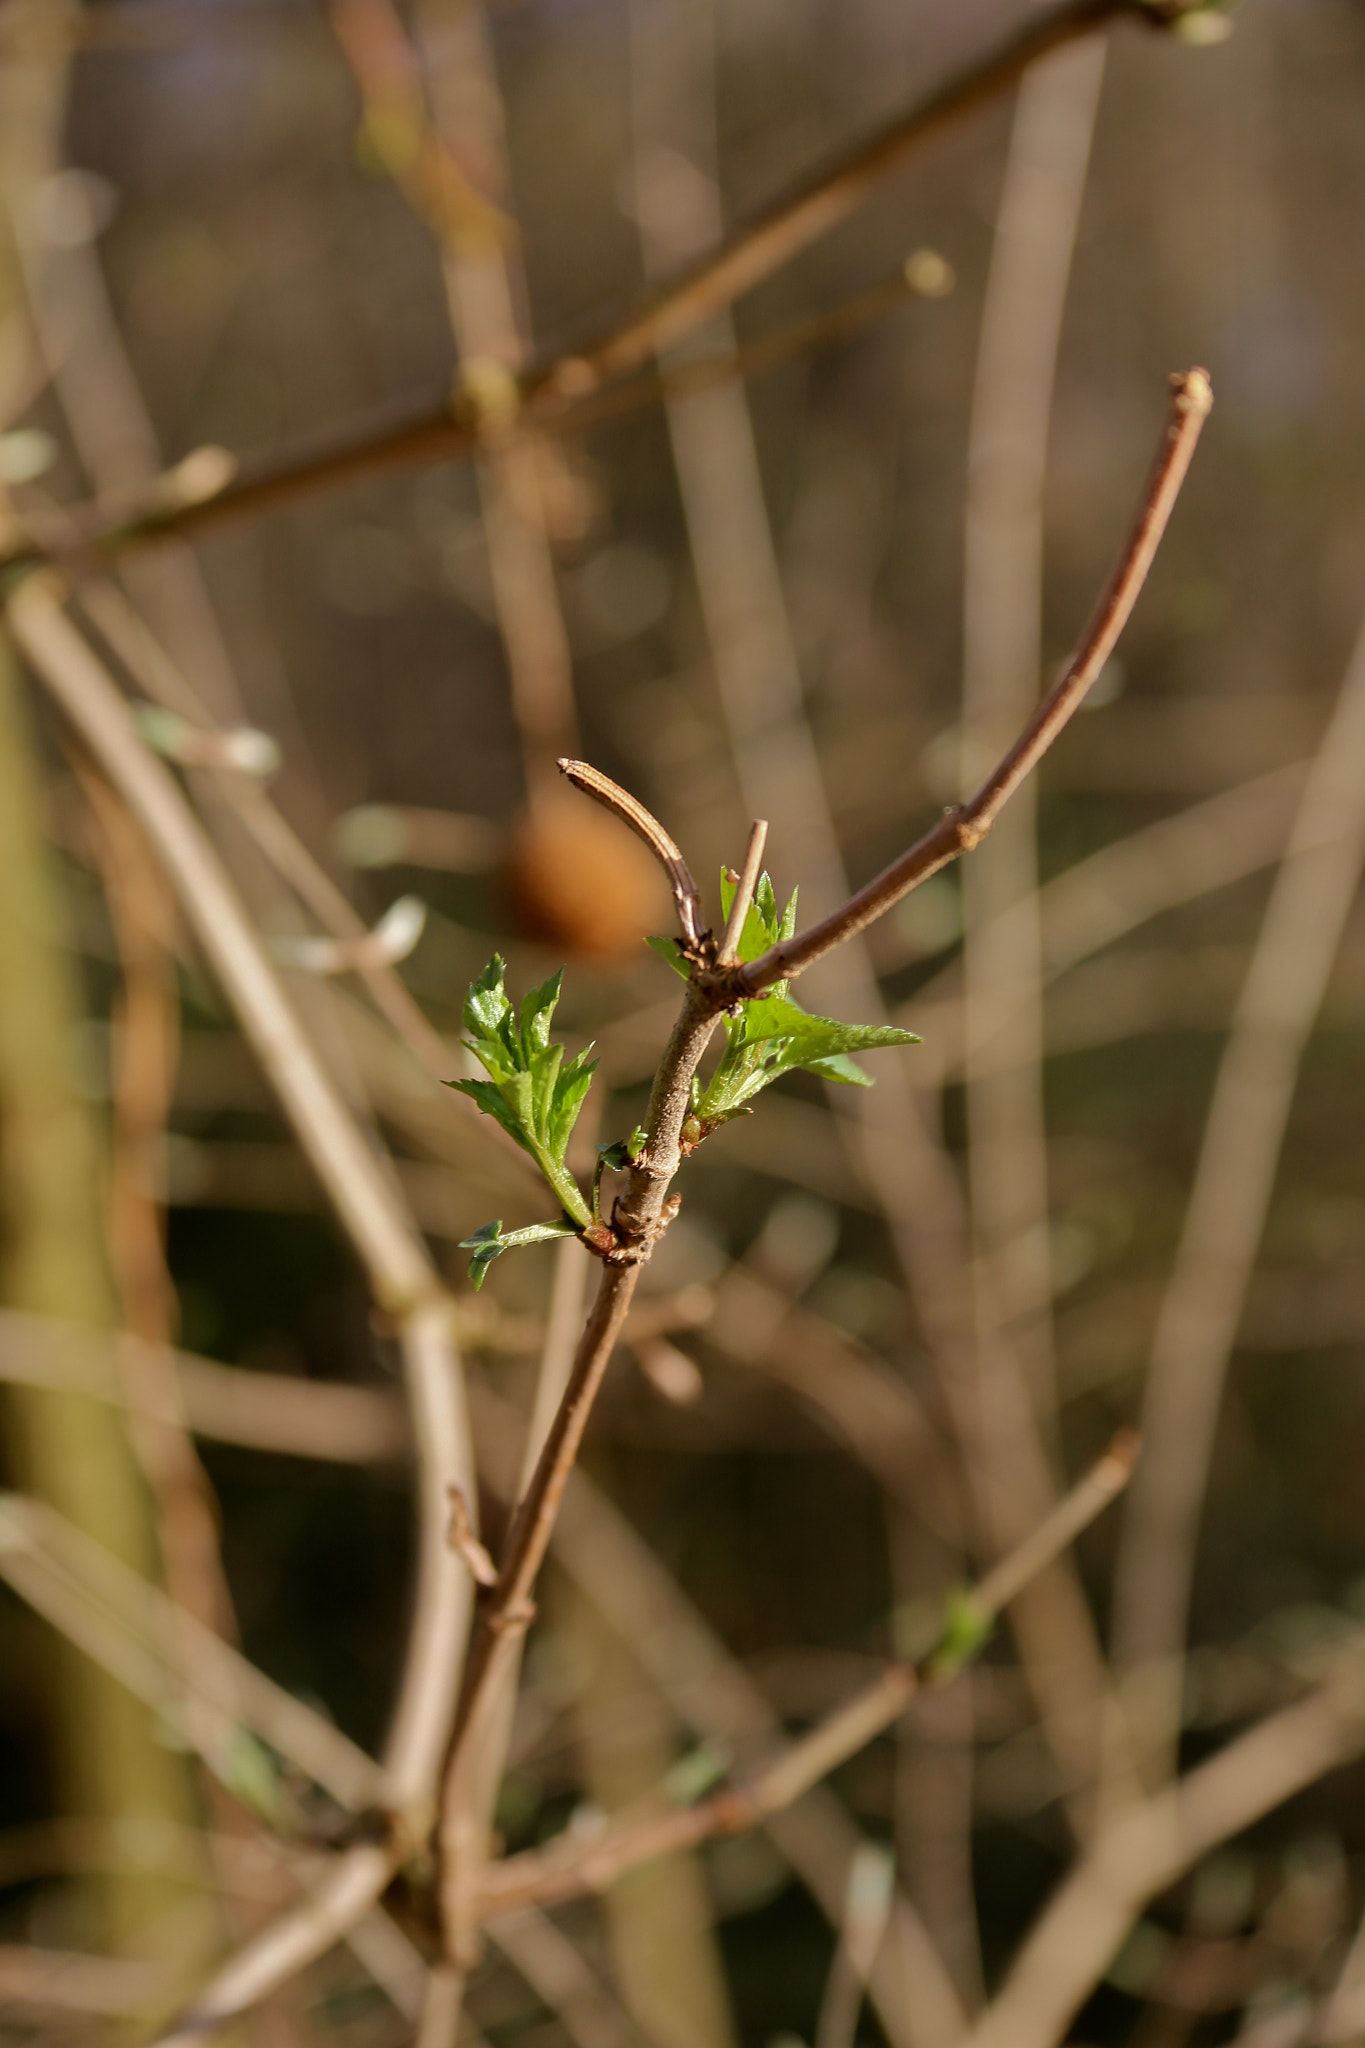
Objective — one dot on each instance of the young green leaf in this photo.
(489, 1242)
(667, 949)
(530, 1091)
(772, 1035)
(763, 926)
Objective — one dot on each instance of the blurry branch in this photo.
(1299, 937)
(1153, 1844)
(141, 655)
(104, 1752)
(470, 1792)
(1021, 325)
(159, 1650)
(449, 164)
(966, 824)
(398, 1266)
(660, 1920)
(199, 477)
(560, 1975)
(277, 1412)
(384, 1236)
(866, 1907)
(57, 1980)
(569, 1864)
(1124, 885)
(261, 1411)
(146, 1025)
(550, 386)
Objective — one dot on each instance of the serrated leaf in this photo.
(815, 1038)
(574, 1083)
(537, 1009)
(486, 1006)
(490, 1241)
(772, 1036)
(531, 1092)
(490, 1101)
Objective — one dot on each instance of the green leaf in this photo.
(763, 926)
(838, 1067)
(489, 1242)
(531, 1091)
(967, 1629)
(667, 949)
(772, 1036)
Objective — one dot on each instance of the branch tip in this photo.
(645, 826)
(745, 884)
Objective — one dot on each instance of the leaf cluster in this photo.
(532, 1090)
(772, 1035)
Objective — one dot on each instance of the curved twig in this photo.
(622, 805)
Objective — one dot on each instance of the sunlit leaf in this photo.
(530, 1090)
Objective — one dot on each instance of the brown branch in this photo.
(455, 424)
(1144, 1852)
(386, 1240)
(1239, 1156)
(569, 1865)
(645, 826)
(504, 1617)
(152, 669)
(966, 824)
(640, 1216)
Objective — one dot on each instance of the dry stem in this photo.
(966, 824)
(436, 433)
(386, 1240)
(645, 826)
(744, 894)
(568, 1865)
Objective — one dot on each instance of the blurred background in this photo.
(1119, 1181)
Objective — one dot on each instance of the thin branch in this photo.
(383, 1234)
(145, 660)
(1002, 662)
(469, 1795)
(867, 1907)
(1280, 998)
(1083, 1926)
(645, 826)
(966, 824)
(1105, 1480)
(569, 1865)
(504, 1617)
(744, 893)
(455, 424)
(640, 1216)
(156, 1647)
